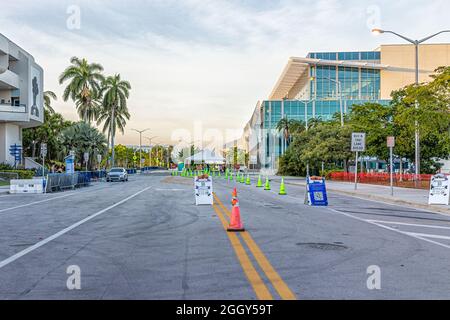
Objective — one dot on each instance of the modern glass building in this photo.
(324, 83)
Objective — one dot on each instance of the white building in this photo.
(21, 95)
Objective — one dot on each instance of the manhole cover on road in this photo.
(323, 246)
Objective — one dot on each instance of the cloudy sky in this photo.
(200, 60)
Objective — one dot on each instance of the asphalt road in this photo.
(146, 239)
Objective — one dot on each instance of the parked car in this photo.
(117, 174)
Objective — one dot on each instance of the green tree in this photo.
(48, 132)
(114, 113)
(433, 118)
(81, 137)
(84, 87)
(376, 121)
(48, 97)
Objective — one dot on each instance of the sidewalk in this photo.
(416, 198)
(4, 189)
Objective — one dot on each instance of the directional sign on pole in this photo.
(358, 145)
(358, 141)
(43, 150)
(391, 142)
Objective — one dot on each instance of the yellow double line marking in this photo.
(261, 290)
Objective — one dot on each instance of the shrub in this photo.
(23, 174)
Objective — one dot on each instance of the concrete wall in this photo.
(401, 62)
(9, 135)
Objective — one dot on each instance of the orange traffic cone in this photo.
(234, 193)
(235, 220)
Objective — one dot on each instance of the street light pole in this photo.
(150, 150)
(140, 145)
(416, 44)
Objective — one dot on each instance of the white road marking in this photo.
(48, 199)
(427, 235)
(411, 224)
(391, 229)
(64, 231)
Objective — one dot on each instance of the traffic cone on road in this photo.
(242, 178)
(235, 219)
(282, 188)
(234, 193)
(259, 184)
(267, 186)
(248, 182)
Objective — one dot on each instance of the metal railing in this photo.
(63, 181)
(6, 177)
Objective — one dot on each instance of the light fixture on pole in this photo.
(416, 44)
(140, 145)
(150, 150)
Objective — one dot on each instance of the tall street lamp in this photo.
(140, 145)
(150, 150)
(416, 44)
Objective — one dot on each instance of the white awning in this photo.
(206, 156)
(297, 70)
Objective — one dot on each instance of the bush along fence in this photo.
(382, 178)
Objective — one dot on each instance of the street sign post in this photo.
(43, 154)
(358, 145)
(391, 145)
(86, 159)
(15, 150)
(99, 160)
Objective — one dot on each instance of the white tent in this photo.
(206, 156)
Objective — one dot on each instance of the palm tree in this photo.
(84, 87)
(283, 125)
(48, 97)
(114, 111)
(82, 137)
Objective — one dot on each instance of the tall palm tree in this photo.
(48, 97)
(114, 113)
(84, 87)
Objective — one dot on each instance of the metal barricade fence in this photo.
(63, 181)
(6, 177)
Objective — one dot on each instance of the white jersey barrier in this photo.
(27, 186)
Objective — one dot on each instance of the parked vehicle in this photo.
(117, 174)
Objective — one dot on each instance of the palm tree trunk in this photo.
(113, 122)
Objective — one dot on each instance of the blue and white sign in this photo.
(316, 192)
(70, 164)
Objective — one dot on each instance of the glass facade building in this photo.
(329, 79)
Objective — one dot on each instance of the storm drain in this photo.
(323, 246)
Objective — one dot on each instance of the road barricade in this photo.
(27, 186)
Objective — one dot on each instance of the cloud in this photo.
(197, 59)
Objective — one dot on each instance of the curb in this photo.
(387, 200)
